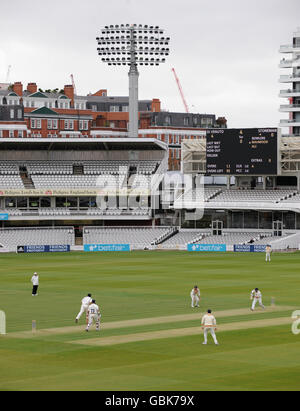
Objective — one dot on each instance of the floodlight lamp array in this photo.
(133, 45)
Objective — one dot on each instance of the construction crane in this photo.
(73, 83)
(181, 92)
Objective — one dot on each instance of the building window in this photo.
(114, 108)
(11, 133)
(35, 123)
(1, 133)
(20, 133)
(19, 114)
(206, 121)
(125, 108)
(83, 125)
(12, 113)
(185, 121)
(52, 124)
(94, 107)
(167, 120)
(69, 124)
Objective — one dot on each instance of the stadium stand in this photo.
(140, 237)
(184, 237)
(231, 238)
(62, 182)
(286, 242)
(252, 195)
(11, 180)
(10, 238)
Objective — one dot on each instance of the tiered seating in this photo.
(11, 181)
(110, 180)
(208, 192)
(11, 211)
(291, 241)
(252, 195)
(106, 167)
(54, 211)
(141, 181)
(230, 238)
(147, 167)
(183, 238)
(140, 236)
(10, 238)
(113, 211)
(74, 181)
(8, 168)
(268, 238)
(48, 168)
(293, 199)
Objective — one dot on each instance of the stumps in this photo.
(33, 326)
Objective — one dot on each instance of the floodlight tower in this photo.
(132, 44)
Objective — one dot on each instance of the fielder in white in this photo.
(195, 296)
(209, 323)
(268, 252)
(93, 315)
(256, 296)
(85, 302)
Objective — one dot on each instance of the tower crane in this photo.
(73, 83)
(181, 92)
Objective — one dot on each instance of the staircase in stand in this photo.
(26, 178)
(78, 170)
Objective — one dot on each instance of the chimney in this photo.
(18, 88)
(155, 105)
(69, 92)
(31, 88)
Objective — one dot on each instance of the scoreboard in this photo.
(251, 151)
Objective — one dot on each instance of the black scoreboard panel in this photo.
(241, 151)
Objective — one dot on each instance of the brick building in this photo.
(62, 114)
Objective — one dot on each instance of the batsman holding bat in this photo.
(93, 315)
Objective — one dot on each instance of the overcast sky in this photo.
(225, 52)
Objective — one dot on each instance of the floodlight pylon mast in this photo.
(133, 44)
(133, 124)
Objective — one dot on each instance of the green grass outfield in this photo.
(141, 285)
